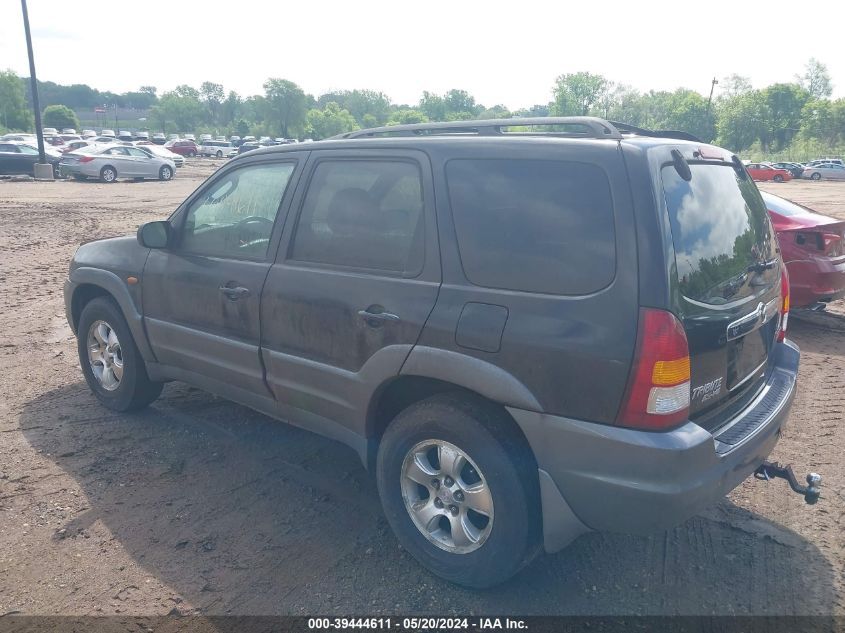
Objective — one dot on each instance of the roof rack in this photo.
(677, 134)
(580, 127)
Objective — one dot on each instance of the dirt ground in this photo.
(204, 506)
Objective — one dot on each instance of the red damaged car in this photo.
(813, 248)
(762, 171)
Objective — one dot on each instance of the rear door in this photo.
(353, 284)
(727, 271)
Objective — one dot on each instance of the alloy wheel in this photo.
(447, 496)
(105, 355)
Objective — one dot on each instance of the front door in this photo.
(353, 284)
(201, 297)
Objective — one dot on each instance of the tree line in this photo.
(795, 118)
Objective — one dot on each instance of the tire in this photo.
(129, 388)
(192, 154)
(108, 174)
(778, 178)
(495, 458)
(816, 176)
(165, 173)
(219, 154)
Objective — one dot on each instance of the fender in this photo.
(118, 289)
(492, 382)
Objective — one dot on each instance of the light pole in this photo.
(712, 86)
(42, 170)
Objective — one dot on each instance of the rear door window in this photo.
(725, 248)
(363, 214)
(533, 225)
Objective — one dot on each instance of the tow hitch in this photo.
(770, 470)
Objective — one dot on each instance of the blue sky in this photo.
(500, 52)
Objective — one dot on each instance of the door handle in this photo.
(375, 316)
(233, 294)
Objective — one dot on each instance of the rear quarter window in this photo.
(533, 225)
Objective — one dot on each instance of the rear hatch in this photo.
(727, 268)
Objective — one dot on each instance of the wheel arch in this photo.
(88, 284)
(430, 373)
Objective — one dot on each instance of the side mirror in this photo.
(155, 234)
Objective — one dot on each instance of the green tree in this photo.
(212, 95)
(329, 121)
(743, 120)
(496, 112)
(816, 79)
(734, 85)
(59, 116)
(577, 93)
(230, 109)
(785, 103)
(369, 107)
(14, 114)
(433, 106)
(286, 105)
(178, 110)
(404, 116)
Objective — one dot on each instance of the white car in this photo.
(160, 150)
(109, 133)
(828, 171)
(110, 162)
(88, 134)
(217, 149)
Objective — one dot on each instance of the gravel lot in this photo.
(203, 506)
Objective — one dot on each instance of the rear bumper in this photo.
(623, 480)
(816, 279)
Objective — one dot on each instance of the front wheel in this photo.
(165, 173)
(219, 154)
(459, 488)
(816, 176)
(778, 178)
(192, 154)
(110, 360)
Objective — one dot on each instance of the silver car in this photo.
(828, 171)
(110, 162)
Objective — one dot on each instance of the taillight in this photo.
(658, 392)
(86, 159)
(830, 244)
(784, 302)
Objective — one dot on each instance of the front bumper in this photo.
(624, 480)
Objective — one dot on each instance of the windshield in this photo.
(725, 248)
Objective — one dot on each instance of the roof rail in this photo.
(678, 134)
(583, 127)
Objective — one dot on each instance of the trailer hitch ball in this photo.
(770, 470)
(814, 480)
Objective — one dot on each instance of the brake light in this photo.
(658, 392)
(784, 305)
(86, 159)
(830, 244)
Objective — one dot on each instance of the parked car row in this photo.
(827, 168)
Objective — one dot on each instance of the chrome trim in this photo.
(750, 375)
(752, 321)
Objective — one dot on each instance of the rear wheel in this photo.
(459, 488)
(108, 174)
(110, 360)
(219, 154)
(165, 173)
(778, 178)
(816, 176)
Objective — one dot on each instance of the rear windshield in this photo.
(725, 248)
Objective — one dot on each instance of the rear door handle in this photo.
(375, 315)
(233, 294)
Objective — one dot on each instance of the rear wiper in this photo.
(761, 266)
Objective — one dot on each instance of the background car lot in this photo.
(204, 506)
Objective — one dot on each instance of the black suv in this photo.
(527, 328)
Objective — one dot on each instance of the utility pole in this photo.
(712, 86)
(41, 169)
